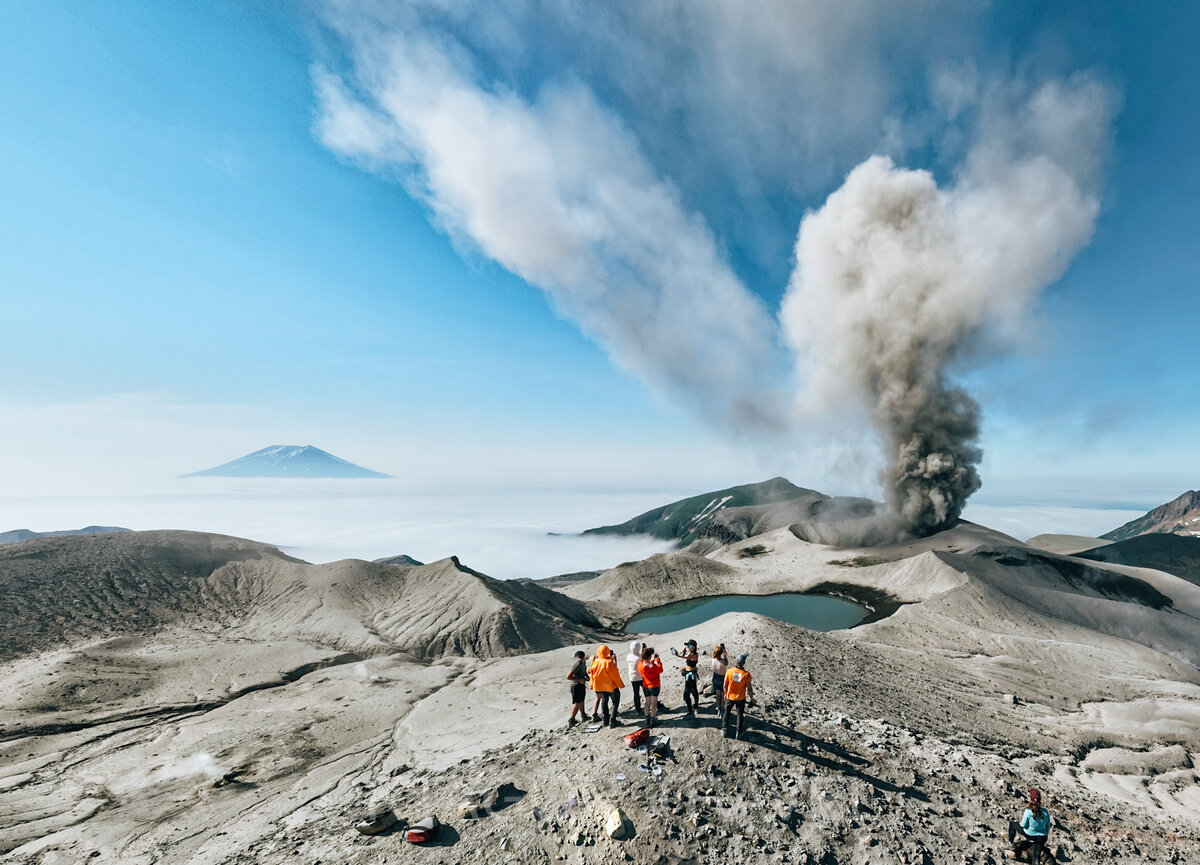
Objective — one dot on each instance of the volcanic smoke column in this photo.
(898, 283)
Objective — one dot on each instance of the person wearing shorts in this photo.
(635, 678)
(578, 677)
(651, 669)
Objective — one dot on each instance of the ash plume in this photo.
(578, 183)
(899, 284)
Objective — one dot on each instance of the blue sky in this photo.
(194, 267)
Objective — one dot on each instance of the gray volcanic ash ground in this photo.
(182, 697)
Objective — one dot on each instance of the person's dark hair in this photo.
(580, 654)
(647, 653)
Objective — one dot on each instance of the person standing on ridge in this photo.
(691, 676)
(651, 669)
(738, 689)
(578, 677)
(720, 664)
(605, 677)
(635, 678)
(1031, 833)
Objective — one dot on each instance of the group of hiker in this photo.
(732, 689)
(731, 684)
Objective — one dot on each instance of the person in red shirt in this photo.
(738, 689)
(651, 669)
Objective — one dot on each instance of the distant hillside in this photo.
(288, 461)
(1175, 554)
(402, 560)
(1178, 517)
(710, 520)
(1065, 545)
(72, 589)
(684, 521)
(26, 535)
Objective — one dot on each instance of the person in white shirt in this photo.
(720, 663)
(635, 678)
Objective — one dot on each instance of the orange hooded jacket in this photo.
(603, 672)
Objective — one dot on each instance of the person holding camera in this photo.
(651, 669)
(691, 676)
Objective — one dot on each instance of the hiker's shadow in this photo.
(447, 837)
(828, 755)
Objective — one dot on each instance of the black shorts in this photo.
(651, 692)
(578, 692)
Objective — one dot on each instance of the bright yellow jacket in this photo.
(603, 672)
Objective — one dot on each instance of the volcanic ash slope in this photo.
(172, 697)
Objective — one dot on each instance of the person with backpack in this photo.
(578, 678)
(635, 678)
(1030, 835)
(720, 664)
(651, 669)
(738, 689)
(605, 678)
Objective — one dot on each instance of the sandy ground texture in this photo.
(172, 697)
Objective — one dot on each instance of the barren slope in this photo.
(892, 742)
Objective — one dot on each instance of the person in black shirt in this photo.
(578, 678)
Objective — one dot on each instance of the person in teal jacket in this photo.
(1030, 835)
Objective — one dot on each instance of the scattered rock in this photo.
(379, 820)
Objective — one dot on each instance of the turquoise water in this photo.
(815, 612)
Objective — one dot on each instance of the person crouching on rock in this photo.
(1029, 836)
(720, 664)
(578, 677)
(738, 689)
(635, 678)
(651, 669)
(606, 681)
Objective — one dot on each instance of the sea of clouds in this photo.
(505, 531)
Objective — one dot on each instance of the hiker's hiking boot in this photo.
(595, 716)
(616, 723)
(571, 722)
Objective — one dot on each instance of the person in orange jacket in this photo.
(605, 677)
(738, 689)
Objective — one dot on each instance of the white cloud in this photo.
(559, 192)
(560, 174)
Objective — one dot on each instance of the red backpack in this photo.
(425, 830)
(637, 738)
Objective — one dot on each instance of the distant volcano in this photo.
(288, 461)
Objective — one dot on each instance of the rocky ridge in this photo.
(1180, 516)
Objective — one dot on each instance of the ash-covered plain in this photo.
(181, 697)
